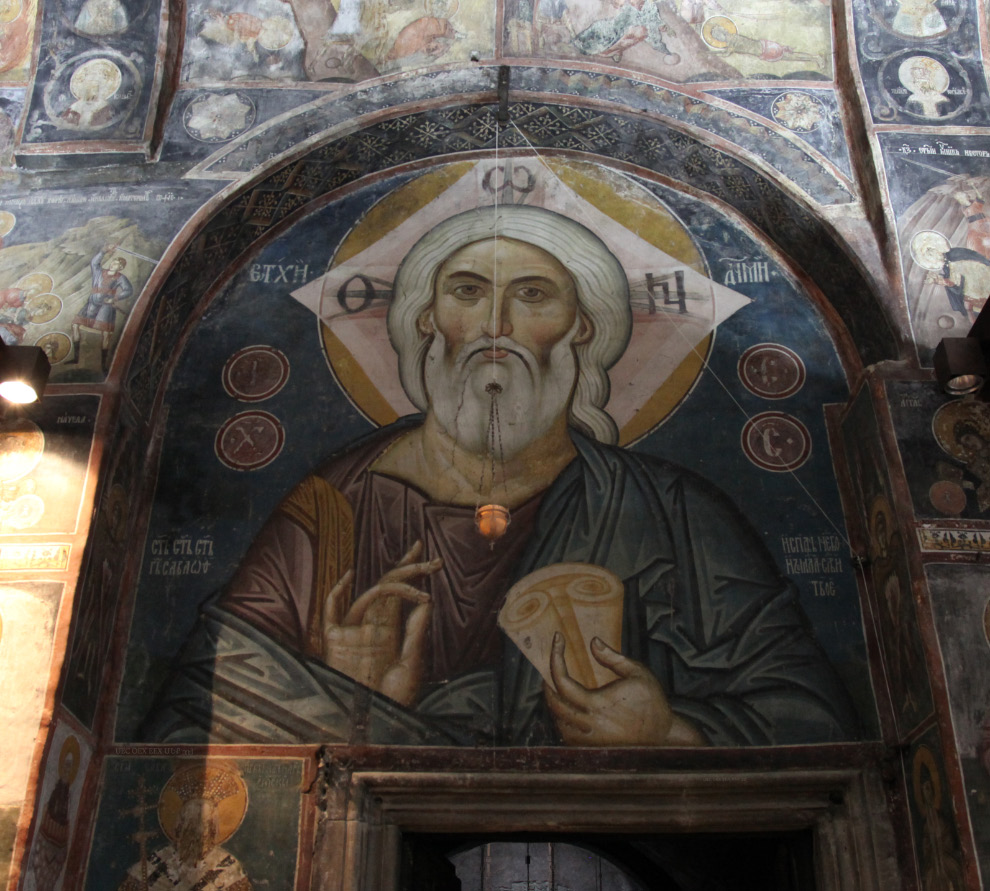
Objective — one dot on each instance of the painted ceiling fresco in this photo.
(678, 294)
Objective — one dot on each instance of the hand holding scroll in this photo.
(598, 697)
(630, 711)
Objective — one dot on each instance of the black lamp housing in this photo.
(962, 364)
(24, 372)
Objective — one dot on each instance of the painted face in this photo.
(513, 328)
(932, 257)
(528, 297)
(196, 830)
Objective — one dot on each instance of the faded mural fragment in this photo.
(27, 629)
(345, 42)
(17, 19)
(894, 608)
(198, 823)
(688, 40)
(71, 295)
(943, 232)
(66, 769)
(962, 619)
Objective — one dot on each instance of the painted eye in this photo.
(531, 293)
(467, 292)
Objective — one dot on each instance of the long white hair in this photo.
(600, 281)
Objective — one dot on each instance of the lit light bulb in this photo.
(18, 392)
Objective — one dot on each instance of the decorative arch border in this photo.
(680, 106)
(222, 236)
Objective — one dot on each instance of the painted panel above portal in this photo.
(348, 41)
(662, 315)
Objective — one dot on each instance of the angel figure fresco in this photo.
(370, 591)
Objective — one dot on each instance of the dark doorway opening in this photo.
(781, 861)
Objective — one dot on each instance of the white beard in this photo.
(532, 398)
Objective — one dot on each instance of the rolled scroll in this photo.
(581, 601)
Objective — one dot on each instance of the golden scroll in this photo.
(581, 601)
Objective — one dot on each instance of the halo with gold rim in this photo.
(68, 760)
(720, 21)
(197, 781)
(614, 195)
(946, 419)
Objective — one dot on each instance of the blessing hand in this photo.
(630, 711)
(368, 640)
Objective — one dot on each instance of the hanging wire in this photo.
(704, 359)
(494, 440)
(495, 247)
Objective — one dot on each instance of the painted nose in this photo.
(497, 324)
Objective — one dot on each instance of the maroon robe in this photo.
(277, 584)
